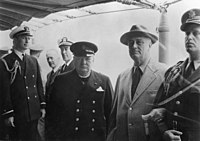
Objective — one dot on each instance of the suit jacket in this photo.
(126, 123)
(185, 109)
(49, 83)
(22, 89)
(79, 111)
(65, 68)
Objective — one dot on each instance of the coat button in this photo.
(175, 113)
(130, 124)
(77, 110)
(93, 101)
(76, 128)
(26, 87)
(78, 101)
(35, 96)
(93, 120)
(77, 119)
(24, 77)
(28, 97)
(130, 108)
(178, 102)
(93, 111)
(33, 75)
(34, 86)
(92, 129)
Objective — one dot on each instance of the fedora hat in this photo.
(138, 31)
(190, 17)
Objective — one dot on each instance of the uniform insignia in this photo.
(171, 76)
(13, 70)
(99, 89)
(26, 28)
(191, 14)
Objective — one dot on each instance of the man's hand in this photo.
(172, 135)
(43, 112)
(10, 121)
(155, 114)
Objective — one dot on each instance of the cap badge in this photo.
(26, 28)
(191, 14)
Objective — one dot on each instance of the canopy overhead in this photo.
(14, 12)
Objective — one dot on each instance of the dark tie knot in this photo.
(136, 76)
(189, 70)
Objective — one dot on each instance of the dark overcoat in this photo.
(183, 112)
(79, 111)
(22, 89)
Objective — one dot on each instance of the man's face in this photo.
(192, 39)
(66, 53)
(83, 65)
(53, 59)
(139, 49)
(22, 42)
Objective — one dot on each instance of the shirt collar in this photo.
(55, 69)
(196, 63)
(143, 66)
(19, 54)
(69, 62)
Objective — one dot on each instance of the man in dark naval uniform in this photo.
(23, 95)
(80, 101)
(179, 95)
(64, 45)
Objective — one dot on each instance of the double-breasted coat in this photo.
(22, 90)
(183, 112)
(79, 111)
(126, 123)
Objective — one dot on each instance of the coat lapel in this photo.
(127, 85)
(147, 78)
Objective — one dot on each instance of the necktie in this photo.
(137, 74)
(51, 77)
(189, 70)
(23, 59)
(64, 66)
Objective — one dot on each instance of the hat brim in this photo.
(127, 36)
(77, 45)
(19, 34)
(65, 44)
(184, 26)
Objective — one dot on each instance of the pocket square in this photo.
(99, 89)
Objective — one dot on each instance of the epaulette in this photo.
(13, 70)
(171, 75)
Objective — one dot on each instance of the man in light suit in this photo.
(80, 102)
(136, 89)
(23, 95)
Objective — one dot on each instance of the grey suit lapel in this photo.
(146, 80)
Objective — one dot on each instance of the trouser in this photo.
(27, 131)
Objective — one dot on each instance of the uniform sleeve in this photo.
(5, 92)
(40, 87)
